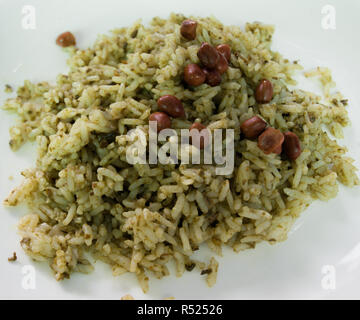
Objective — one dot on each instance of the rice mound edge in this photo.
(85, 198)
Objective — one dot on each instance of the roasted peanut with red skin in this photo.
(204, 140)
(222, 65)
(188, 29)
(208, 56)
(171, 106)
(66, 39)
(253, 127)
(291, 146)
(278, 150)
(194, 75)
(197, 126)
(225, 50)
(270, 140)
(213, 77)
(264, 91)
(163, 121)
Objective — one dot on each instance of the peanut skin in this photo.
(204, 140)
(66, 39)
(194, 75)
(291, 145)
(188, 29)
(163, 121)
(253, 127)
(270, 140)
(213, 77)
(208, 56)
(264, 91)
(171, 106)
(225, 50)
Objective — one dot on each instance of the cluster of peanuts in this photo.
(271, 140)
(214, 62)
(170, 106)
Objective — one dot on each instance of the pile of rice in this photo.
(84, 197)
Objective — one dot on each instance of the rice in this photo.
(83, 195)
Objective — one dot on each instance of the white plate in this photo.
(328, 240)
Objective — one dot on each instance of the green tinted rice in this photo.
(84, 197)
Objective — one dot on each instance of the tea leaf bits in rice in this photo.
(85, 197)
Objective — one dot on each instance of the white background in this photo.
(326, 234)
